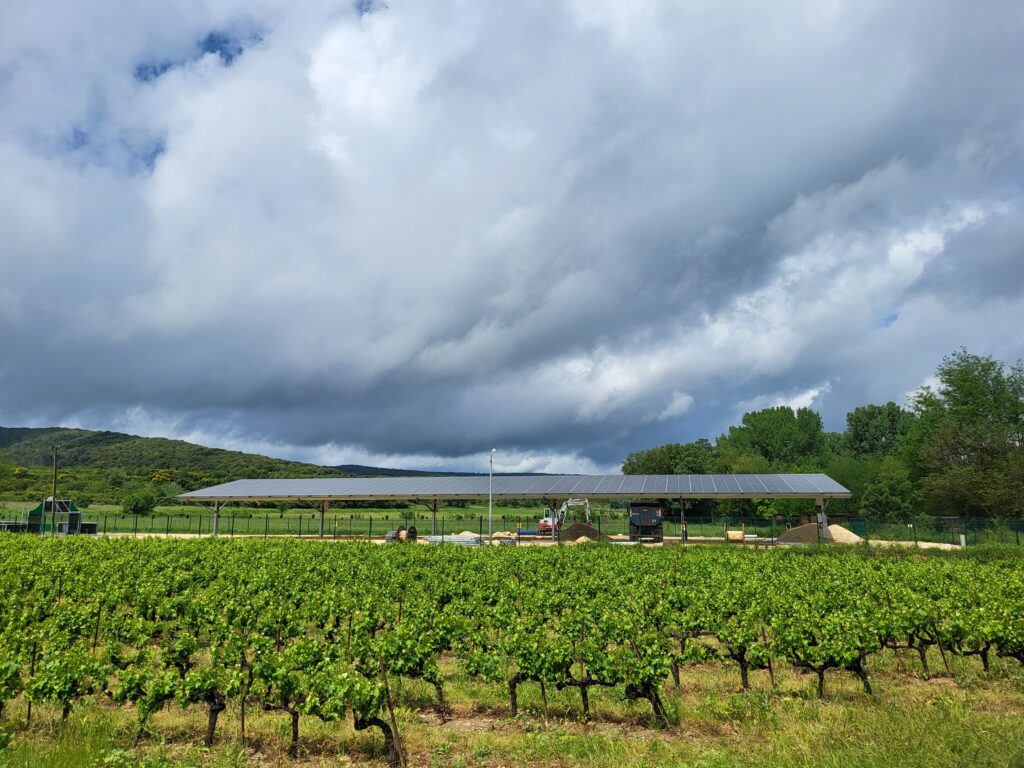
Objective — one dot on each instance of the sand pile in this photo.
(808, 534)
(467, 533)
(504, 535)
(842, 535)
(580, 540)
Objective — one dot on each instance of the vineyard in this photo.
(330, 631)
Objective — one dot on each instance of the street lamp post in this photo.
(490, 496)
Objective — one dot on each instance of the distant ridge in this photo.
(33, 447)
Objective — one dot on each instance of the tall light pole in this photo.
(490, 496)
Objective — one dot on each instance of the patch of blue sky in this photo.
(889, 319)
(151, 70)
(130, 155)
(141, 158)
(364, 7)
(228, 46)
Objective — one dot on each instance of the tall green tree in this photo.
(965, 449)
(891, 496)
(876, 428)
(782, 436)
(696, 458)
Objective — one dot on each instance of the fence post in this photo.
(104, 525)
(135, 530)
(369, 534)
(266, 526)
(231, 532)
(168, 531)
(480, 530)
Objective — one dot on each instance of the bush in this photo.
(139, 503)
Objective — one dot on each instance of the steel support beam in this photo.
(823, 532)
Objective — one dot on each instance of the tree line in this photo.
(956, 449)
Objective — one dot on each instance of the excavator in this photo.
(556, 520)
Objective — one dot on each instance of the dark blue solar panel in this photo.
(512, 486)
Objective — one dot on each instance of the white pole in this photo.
(490, 496)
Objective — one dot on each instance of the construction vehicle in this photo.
(557, 519)
(646, 521)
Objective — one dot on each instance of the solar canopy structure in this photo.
(819, 488)
(789, 486)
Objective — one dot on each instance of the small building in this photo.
(66, 516)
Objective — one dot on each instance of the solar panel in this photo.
(526, 486)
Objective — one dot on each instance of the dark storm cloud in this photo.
(570, 231)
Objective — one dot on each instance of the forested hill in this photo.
(28, 447)
(108, 467)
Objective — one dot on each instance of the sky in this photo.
(406, 233)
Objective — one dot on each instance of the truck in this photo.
(646, 521)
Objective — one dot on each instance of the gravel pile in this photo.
(808, 534)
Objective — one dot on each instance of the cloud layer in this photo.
(411, 233)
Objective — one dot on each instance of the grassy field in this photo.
(959, 720)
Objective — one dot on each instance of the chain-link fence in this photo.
(942, 530)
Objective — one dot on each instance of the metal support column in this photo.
(823, 532)
(682, 520)
(216, 517)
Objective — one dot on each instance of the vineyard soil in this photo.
(949, 721)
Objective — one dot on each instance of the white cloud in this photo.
(553, 227)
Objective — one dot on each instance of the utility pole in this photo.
(53, 498)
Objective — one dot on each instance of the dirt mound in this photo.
(577, 531)
(801, 534)
(808, 534)
(467, 533)
(504, 535)
(842, 535)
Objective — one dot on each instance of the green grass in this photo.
(963, 720)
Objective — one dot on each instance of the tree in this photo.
(696, 458)
(139, 503)
(966, 446)
(876, 428)
(784, 437)
(891, 496)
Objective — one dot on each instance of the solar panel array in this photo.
(530, 486)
